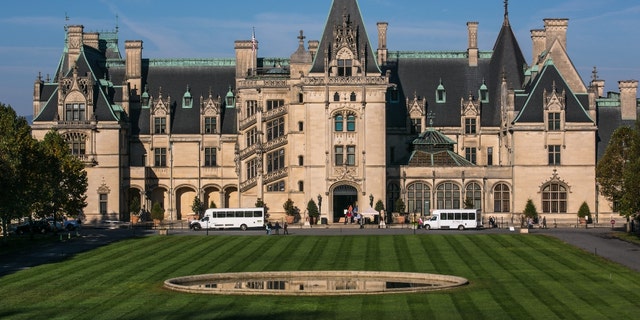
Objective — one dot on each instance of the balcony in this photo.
(248, 184)
(247, 152)
(276, 175)
(271, 114)
(275, 143)
(245, 123)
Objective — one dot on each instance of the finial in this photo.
(430, 116)
(506, 9)
(117, 27)
(301, 37)
(594, 74)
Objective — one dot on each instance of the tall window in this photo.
(339, 155)
(275, 128)
(210, 157)
(489, 156)
(338, 122)
(351, 155)
(75, 112)
(470, 125)
(274, 104)
(252, 137)
(416, 125)
(473, 195)
(448, 196)
(501, 198)
(418, 198)
(104, 202)
(77, 143)
(553, 121)
(554, 198)
(352, 97)
(470, 154)
(441, 94)
(393, 194)
(160, 157)
(251, 107)
(336, 97)
(301, 186)
(345, 68)
(554, 155)
(210, 125)
(275, 160)
(351, 123)
(252, 168)
(160, 125)
(301, 160)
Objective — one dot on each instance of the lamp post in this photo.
(371, 200)
(320, 206)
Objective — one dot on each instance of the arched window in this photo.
(351, 123)
(352, 97)
(419, 198)
(393, 193)
(473, 195)
(336, 97)
(554, 198)
(339, 122)
(501, 198)
(77, 143)
(448, 196)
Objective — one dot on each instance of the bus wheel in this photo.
(427, 227)
(243, 227)
(197, 227)
(460, 227)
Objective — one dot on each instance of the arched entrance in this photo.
(343, 197)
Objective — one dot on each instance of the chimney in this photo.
(556, 29)
(74, 43)
(539, 44)
(133, 75)
(92, 40)
(628, 100)
(313, 48)
(472, 28)
(382, 43)
(598, 85)
(246, 58)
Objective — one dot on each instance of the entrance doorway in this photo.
(343, 197)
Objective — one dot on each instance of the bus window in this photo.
(257, 214)
(472, 215)
(458, 216)
(434, 218)
(465, 216)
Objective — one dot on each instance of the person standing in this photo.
(284, 228)
(277, 227)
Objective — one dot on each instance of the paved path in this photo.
(597, 241)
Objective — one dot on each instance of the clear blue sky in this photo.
(602, 33)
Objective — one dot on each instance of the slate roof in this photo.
(338, 10)
(530, 104)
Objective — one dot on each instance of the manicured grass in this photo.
(511, 276)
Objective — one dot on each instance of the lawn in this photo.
(511, 276)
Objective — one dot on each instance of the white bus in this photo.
(229, 218)
(454, 219)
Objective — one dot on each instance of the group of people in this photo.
(352, 216)
(276, 228)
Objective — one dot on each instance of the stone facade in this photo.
(337, 122)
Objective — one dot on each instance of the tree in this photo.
(618, 171)
(197, 207)
(379, 206)
(19, 155)
(530, 210)
(261, 204)
(212, 205)
(63, 191)
(585, 213)
(312, 209)
(468, 203)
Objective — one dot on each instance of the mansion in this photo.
(340, 122)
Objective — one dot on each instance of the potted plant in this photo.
(380, 208)
(584, 213)
(399, 214)
(290, 210)
(134, 209)
(157, 214)
(312, 209)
